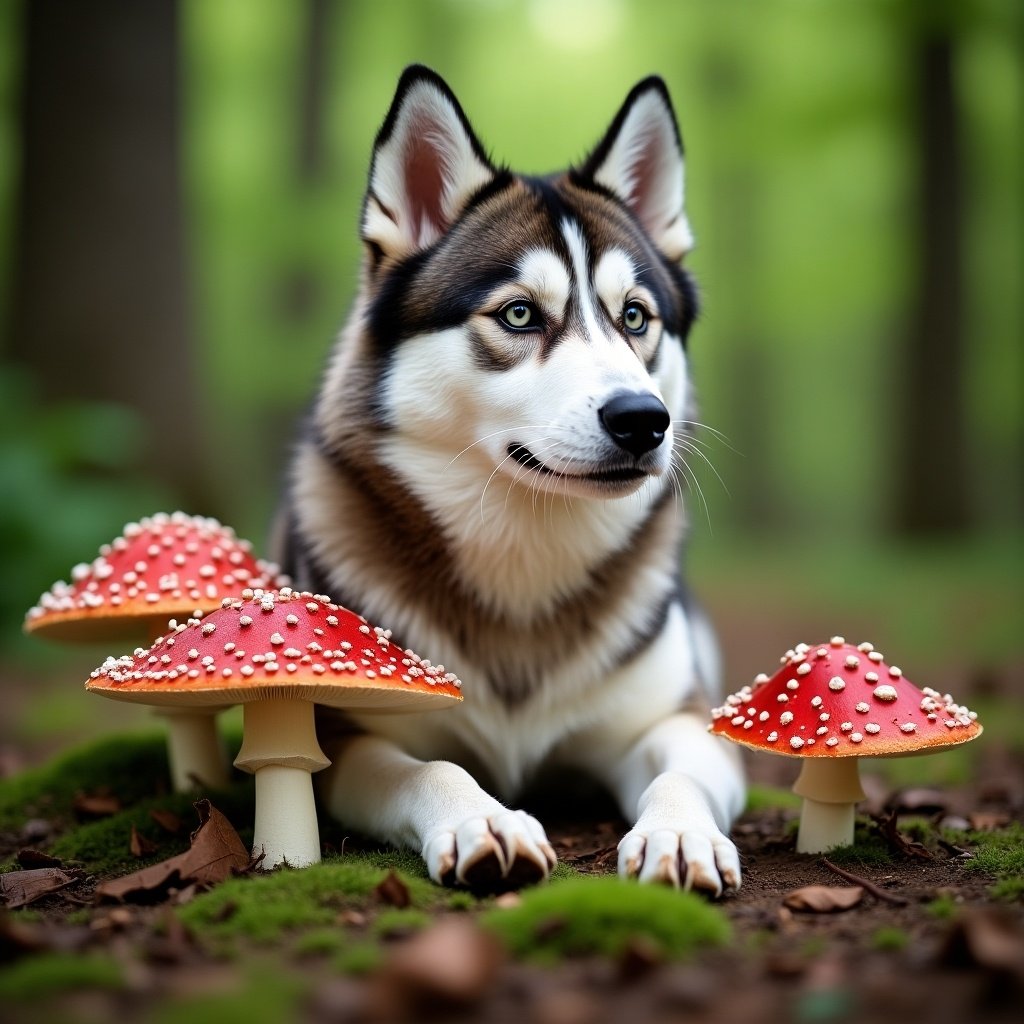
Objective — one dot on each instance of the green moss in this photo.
(889, 939)
(1000, 852)
(762, 798)
(359, 958)
(267, 996)
(460, 900)
(134, 766)
(51, 973)
(868, 850)
(942, 907)
(1009, 890)
(262, 907)
(103, 845)
(390, 923)
(601, 915)
(320, 942)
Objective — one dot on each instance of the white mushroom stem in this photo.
(831, 789)
(194, 750)
(279, 746)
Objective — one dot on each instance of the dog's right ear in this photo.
(427, 164)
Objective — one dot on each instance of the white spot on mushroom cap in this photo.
(885, 692)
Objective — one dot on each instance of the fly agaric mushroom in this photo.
(279, 653)
(830, 704)
(164, 565)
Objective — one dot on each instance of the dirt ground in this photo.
(925, 942)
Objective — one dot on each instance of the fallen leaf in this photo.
(32, 858)
(20, 888)
(96, 805)
(216, 854)
(393, 891)
(139, 845)
(823, 899)
(167, 820)
(985, 937)
(453, 963)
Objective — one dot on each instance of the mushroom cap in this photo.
(161, 566)
(274, 645)
(839, 700)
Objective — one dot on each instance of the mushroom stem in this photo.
(831, 789)
(194, 751)
(281, 749)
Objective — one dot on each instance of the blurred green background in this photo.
(179, 195)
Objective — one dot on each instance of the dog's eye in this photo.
(519, 315)
(634, 318)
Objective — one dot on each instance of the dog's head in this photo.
(530, 327)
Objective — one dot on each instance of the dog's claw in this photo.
(684, 860)
(505, 851)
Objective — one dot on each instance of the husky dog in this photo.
(491, 471)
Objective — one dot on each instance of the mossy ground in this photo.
(604, 915)
(330, 920)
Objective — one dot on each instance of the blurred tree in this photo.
(99, 300)
(932, 489)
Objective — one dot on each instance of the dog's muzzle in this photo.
(635, 420)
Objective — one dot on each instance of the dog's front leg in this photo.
(683, 788)
(464, 835)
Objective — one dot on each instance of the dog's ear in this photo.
(640, 160)
(427, 164)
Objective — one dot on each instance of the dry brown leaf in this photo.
(32, 858)
(216, 854)
(985, 937)
(393, 891)
(139, 845)
(415, 975)
(20, 888)
(823, 899)
(167, 820)
(96, 805)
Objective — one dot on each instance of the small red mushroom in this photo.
(164, 565)
(830, 704)
(279, 653)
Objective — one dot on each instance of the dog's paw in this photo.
(701, 859)
(503, 851)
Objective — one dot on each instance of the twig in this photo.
(870, 887)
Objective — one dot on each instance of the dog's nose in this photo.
(636, 421)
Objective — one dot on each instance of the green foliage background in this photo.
(796, 119)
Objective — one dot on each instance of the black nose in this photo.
(636, 421)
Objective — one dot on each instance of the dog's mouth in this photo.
(608, 475)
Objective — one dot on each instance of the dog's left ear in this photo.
(427, 164)
(640, 160)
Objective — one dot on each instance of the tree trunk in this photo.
(99, 305)
(932, 485)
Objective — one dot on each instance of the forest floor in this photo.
(936, 932)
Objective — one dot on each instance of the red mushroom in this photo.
(162, 566)
(279, 653)
(830, 704)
